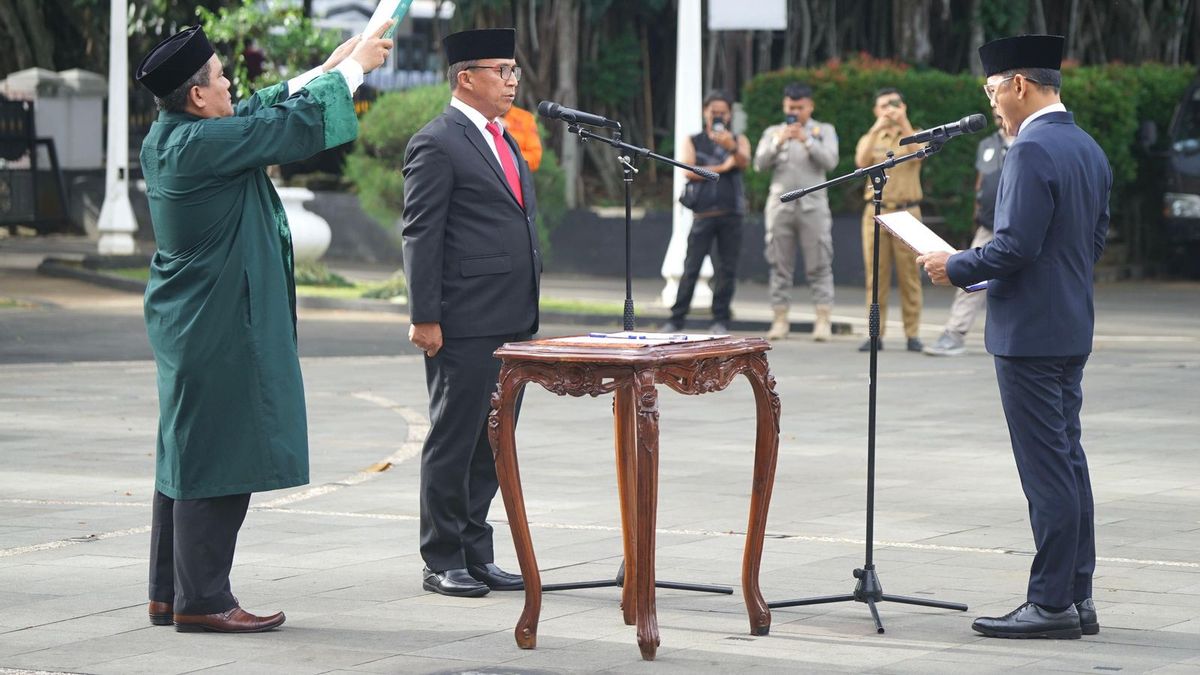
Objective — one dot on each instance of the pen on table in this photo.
(619, 337)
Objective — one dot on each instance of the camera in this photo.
(791, 119)
(718, 124)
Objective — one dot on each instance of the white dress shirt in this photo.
(349, 68)
(1053, 107)
(480, 122)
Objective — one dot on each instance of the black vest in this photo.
(731, 193)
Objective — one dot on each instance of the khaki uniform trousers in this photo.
(908, 276)
(967, 305)
(787, 227)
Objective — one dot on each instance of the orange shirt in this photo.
(523, 127)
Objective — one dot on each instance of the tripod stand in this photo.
(628, 171)
(868, 589)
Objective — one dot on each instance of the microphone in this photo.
(967, 125)
(554, 111)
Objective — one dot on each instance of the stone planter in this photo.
(310, 232)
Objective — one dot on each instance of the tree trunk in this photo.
(911, 30)
(566, 21)
(976, 38)
(1074, 48)
(805, 33)
(1038, 12)
(21, 56)
(1098, 36)
(831, 30)
(41, 40)
(789, 38)
(648, 102)
(710, 68)
(747, 64)
(763, 58)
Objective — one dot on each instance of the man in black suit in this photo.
(1051, 221)
(473, 266)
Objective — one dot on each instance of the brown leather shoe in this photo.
(160, 613)
(236, 620)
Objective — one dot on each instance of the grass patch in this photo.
(351, 292)
(333, 286)
(581, 306)
(10, 303)
(135, 273)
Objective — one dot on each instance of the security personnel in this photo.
(902, 193)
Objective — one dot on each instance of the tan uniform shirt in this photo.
(904, 180)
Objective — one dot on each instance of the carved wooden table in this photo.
(631, 372)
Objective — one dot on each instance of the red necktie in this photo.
(507, 162)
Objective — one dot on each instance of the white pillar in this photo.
(688, 100)
(117, 223)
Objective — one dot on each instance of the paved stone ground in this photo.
(77, 418)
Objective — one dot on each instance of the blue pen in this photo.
(618, 337)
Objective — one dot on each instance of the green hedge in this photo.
(1109, 102)
(374, 168)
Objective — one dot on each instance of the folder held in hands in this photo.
(915, 235)
(387, 9)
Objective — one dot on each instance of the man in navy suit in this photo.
(472, 262)
(1051, 221)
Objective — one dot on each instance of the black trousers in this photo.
(1042, 398)
(458, 471)
(191, 551)
(726, 232)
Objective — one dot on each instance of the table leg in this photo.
(625, 434)
(766, 451)
(647, 511)
(502, 434)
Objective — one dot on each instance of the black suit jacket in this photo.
(470, 250)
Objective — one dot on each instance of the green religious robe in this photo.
(220, 305)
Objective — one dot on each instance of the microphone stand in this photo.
(627, 158)
(868, 589)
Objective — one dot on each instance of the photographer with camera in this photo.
(798, 152)
(903, 193)
(718, 207)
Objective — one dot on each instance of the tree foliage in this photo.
(288, 39)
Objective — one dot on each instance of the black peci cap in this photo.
(174, 60)
(1022, 51)
(488, 43)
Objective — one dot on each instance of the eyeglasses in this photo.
(989, 90)
(506, 71)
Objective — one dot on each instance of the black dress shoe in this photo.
(1089, 623)
(495, 578)
(1031, 621)
(453, 582)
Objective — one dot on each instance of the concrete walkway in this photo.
(77, 422)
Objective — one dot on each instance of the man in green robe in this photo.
(220, 308)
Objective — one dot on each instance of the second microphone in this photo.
(553, 111)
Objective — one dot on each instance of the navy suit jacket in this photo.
(470, 250)
(1051, 221)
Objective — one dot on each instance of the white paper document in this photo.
(915, 235)
(387, 9)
